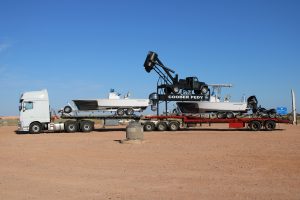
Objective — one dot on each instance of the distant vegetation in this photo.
(8, 122)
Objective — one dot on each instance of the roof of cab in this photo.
(41, 95)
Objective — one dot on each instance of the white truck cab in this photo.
(34, 111)
(35, 116)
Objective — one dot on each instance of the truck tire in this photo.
(67, 109)
(270, 125)
(255, 126)
(161, 126)
(86, 126)
(71, 126)
(35, 128)
(173, 126)
(149, 126)
(129, 111)
(120, 112)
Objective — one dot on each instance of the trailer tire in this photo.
(67, 109)
(129, 111)
(161, 126)
(71, 126)
(272, 115)
(35, 128)
(255, 125)
(86, 126)
(229, 115)
(220, 115)
(149, 126)
(270, 125)
(173, 126)
(120, 112)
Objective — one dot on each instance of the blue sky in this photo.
(81, 49)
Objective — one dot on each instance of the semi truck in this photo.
(36, 117)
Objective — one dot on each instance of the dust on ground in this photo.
(203, 163)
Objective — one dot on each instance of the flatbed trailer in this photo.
(175, 122)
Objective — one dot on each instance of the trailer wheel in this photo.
(67, 109)
(71, 126)
(220, 115)
(229, 115)
(161, 126)
(270, 125)
(149, 126)
(120, 112)
(173, 126)
(272, 115)
(35, 128)
(86, 126)
(129, 111)
(255, 125)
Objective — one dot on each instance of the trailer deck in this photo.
(173, 122)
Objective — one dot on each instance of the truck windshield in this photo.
(28, 105)
(25, 105)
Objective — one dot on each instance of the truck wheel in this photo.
(86, 126)
(229, 115)
(67, 109)
(173, 126)
(270, 125)
(120, 112)
(35, 128)
(129, 111)
(161, 126)
(71, 126)
(204, 89)
(255, 125)
(149, 126)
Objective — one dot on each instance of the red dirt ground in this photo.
(206, 163)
